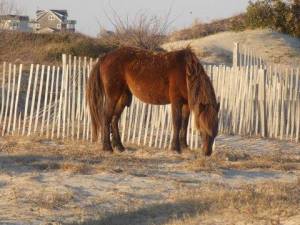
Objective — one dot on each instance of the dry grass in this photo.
(51, 199)
(43, 197)
(198, 29)
(17, 47)
(268, 203)
(76, 168)
(44, 155)
(84, 157)
(76, 157)
(241, 160)
(204, 202)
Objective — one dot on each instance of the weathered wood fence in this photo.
(246, 56)
(50, 101)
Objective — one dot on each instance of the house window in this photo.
(71, 26)
(38, 26)
(14, 25)
(59, 26)
(51, 17)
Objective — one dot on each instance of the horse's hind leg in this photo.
(124, 100)
(107, 119)
(184, 125)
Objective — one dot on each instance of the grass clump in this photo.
(47, 48)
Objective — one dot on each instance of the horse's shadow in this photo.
(152, 214)
(131, 149)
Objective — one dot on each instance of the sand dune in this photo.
(217, 49)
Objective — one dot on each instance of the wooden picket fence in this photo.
(50, 101)
(245, 56)
(46, 100)
(258, 102)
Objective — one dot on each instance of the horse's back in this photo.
(149, 76)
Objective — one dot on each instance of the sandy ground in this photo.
(55, 182)
(272, 46)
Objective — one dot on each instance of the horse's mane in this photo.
(200, 88)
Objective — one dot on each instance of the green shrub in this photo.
(279, 15)
(259, 14)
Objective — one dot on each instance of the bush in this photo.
(259, 14)
(48, 48)
(235, 23)
(144, 31)
(279, 15)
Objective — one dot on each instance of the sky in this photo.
(92, 14)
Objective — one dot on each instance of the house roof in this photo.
(60, 14)
(14, 17)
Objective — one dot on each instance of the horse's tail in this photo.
(95, 99)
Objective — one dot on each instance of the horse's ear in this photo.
(218, 106)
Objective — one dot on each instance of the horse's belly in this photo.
(150, 91)
(151, 98)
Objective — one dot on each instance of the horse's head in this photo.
(207, 122)
(202, 100)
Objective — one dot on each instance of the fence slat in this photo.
(3, 91)
(45, 100)
(7, 99)
(79, 94)
(37, 115)
(27, 98)
(17, 96)
(51, 105)
(12, 99)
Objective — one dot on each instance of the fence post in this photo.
(262, 101)
(3, 91)
(236, 53)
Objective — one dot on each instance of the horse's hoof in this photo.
(178, 151)
(184, 146)
(120, 148)
(108, 149)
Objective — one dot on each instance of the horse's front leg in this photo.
(177, 119)
(184, 125)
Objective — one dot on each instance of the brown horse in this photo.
(176, 77)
